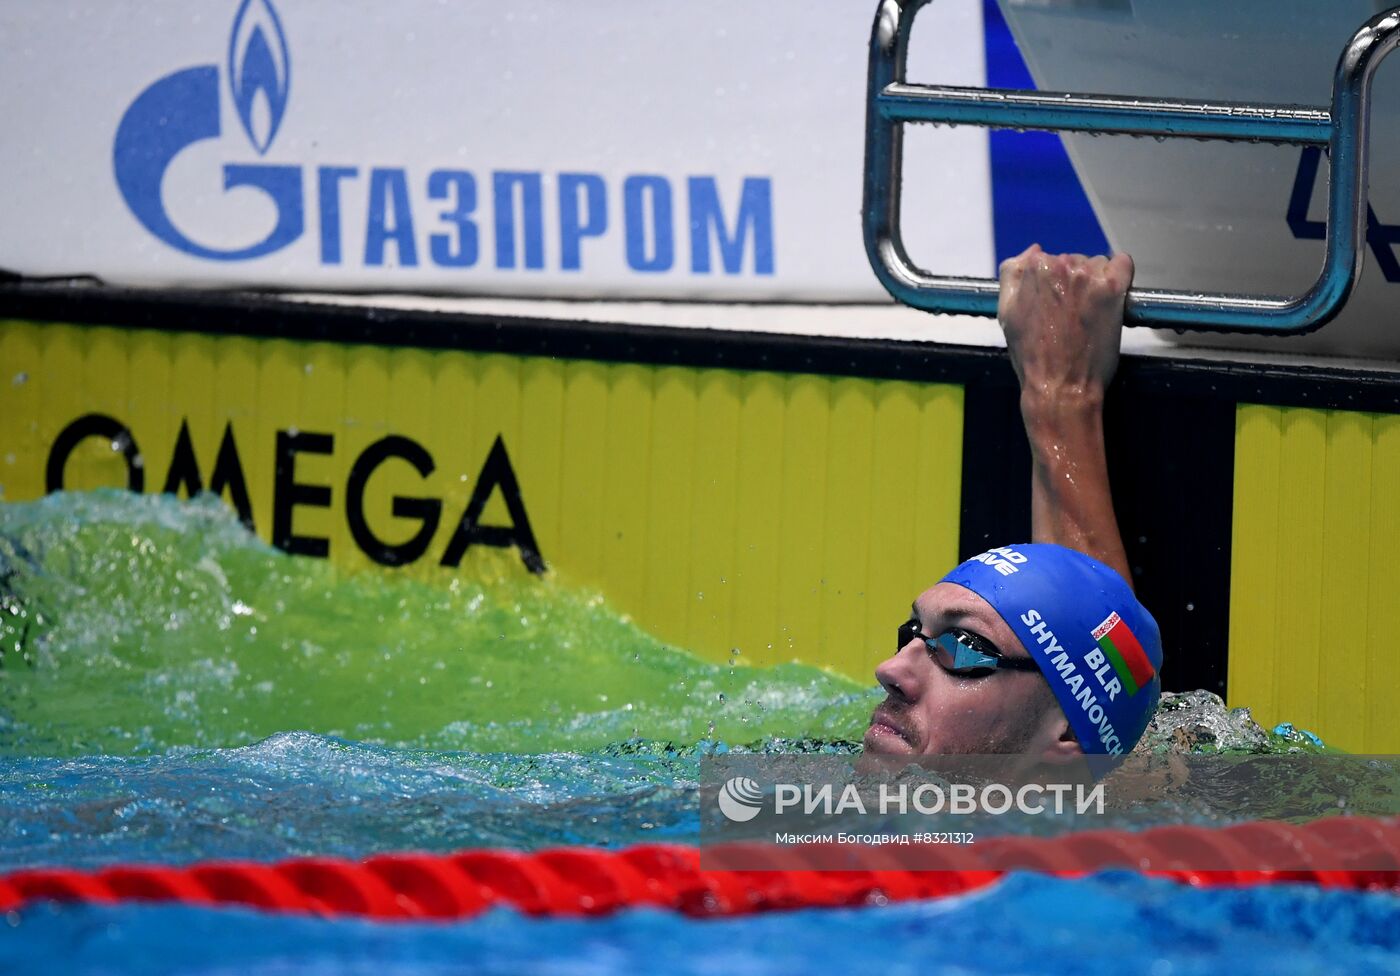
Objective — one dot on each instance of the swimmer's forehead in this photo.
(950, 605)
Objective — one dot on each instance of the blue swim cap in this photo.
(1096, 644)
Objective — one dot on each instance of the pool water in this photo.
(172, 689)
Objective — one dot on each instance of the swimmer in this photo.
(1038, 649)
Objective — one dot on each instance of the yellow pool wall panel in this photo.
(1315, 575)
(788, 516)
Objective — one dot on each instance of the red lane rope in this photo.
(587, 881)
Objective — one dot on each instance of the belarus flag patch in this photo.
(1124, 653)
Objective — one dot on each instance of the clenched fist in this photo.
(1063, 320)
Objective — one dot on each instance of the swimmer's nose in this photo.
(900, 675)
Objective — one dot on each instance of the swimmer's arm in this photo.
(1063, 319)
(1071, 502)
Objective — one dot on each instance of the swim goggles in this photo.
(964, 653)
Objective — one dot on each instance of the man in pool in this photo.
(1038, 649)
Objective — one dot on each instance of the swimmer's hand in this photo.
(1063, 320)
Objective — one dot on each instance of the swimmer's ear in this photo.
(1064, 747)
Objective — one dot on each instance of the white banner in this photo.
(566, 148)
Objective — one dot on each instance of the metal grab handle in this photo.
(892, 102)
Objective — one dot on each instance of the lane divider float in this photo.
(573, 881)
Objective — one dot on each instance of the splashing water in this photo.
(172, 689)
(136, 624)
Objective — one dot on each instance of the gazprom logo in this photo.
(452, 219)
(259, 71)
(183, 108)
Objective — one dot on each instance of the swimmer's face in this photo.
(928, 711)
